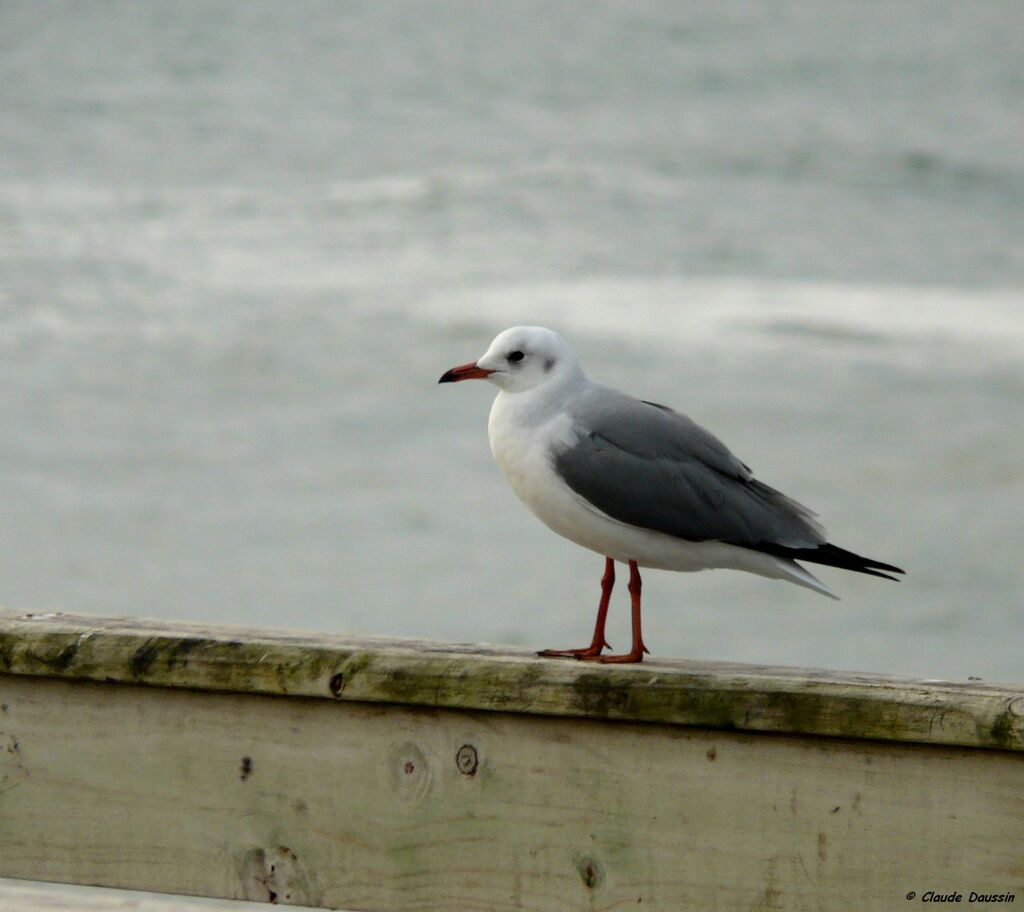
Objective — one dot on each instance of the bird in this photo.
(636, 481)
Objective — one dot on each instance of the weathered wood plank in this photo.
(374, 807)
(710, 695)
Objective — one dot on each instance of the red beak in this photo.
(465, 372)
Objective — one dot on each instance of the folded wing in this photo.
(649, 466)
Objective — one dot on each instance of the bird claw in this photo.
(590, 652)
(625, 658)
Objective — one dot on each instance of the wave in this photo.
(710, 310)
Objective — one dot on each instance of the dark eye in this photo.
(515, 356)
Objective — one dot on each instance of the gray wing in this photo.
(651, 467)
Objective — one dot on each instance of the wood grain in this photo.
(376, 807)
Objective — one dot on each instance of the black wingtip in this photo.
(867, 561)
(878, 565)
(833, 556)
(895, 579)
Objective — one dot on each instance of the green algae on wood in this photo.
(709, 695)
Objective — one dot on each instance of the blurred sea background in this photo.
(239, 243)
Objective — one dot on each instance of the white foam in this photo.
(708, 311)
(394, 189)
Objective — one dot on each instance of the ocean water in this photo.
(240, 242)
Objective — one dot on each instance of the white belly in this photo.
(524, 454)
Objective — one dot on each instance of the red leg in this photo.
(598, 642)
(636, 654)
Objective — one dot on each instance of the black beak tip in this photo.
(447, 377)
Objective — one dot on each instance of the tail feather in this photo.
(803, 577)
(832, 556)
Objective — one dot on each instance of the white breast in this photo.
(523, 448)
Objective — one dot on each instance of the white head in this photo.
(520, 359)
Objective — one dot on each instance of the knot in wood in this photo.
(337, 685)
(590, 871)
(466, 760)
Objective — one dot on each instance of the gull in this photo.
(636, 481)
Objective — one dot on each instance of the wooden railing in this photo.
(399, 775)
